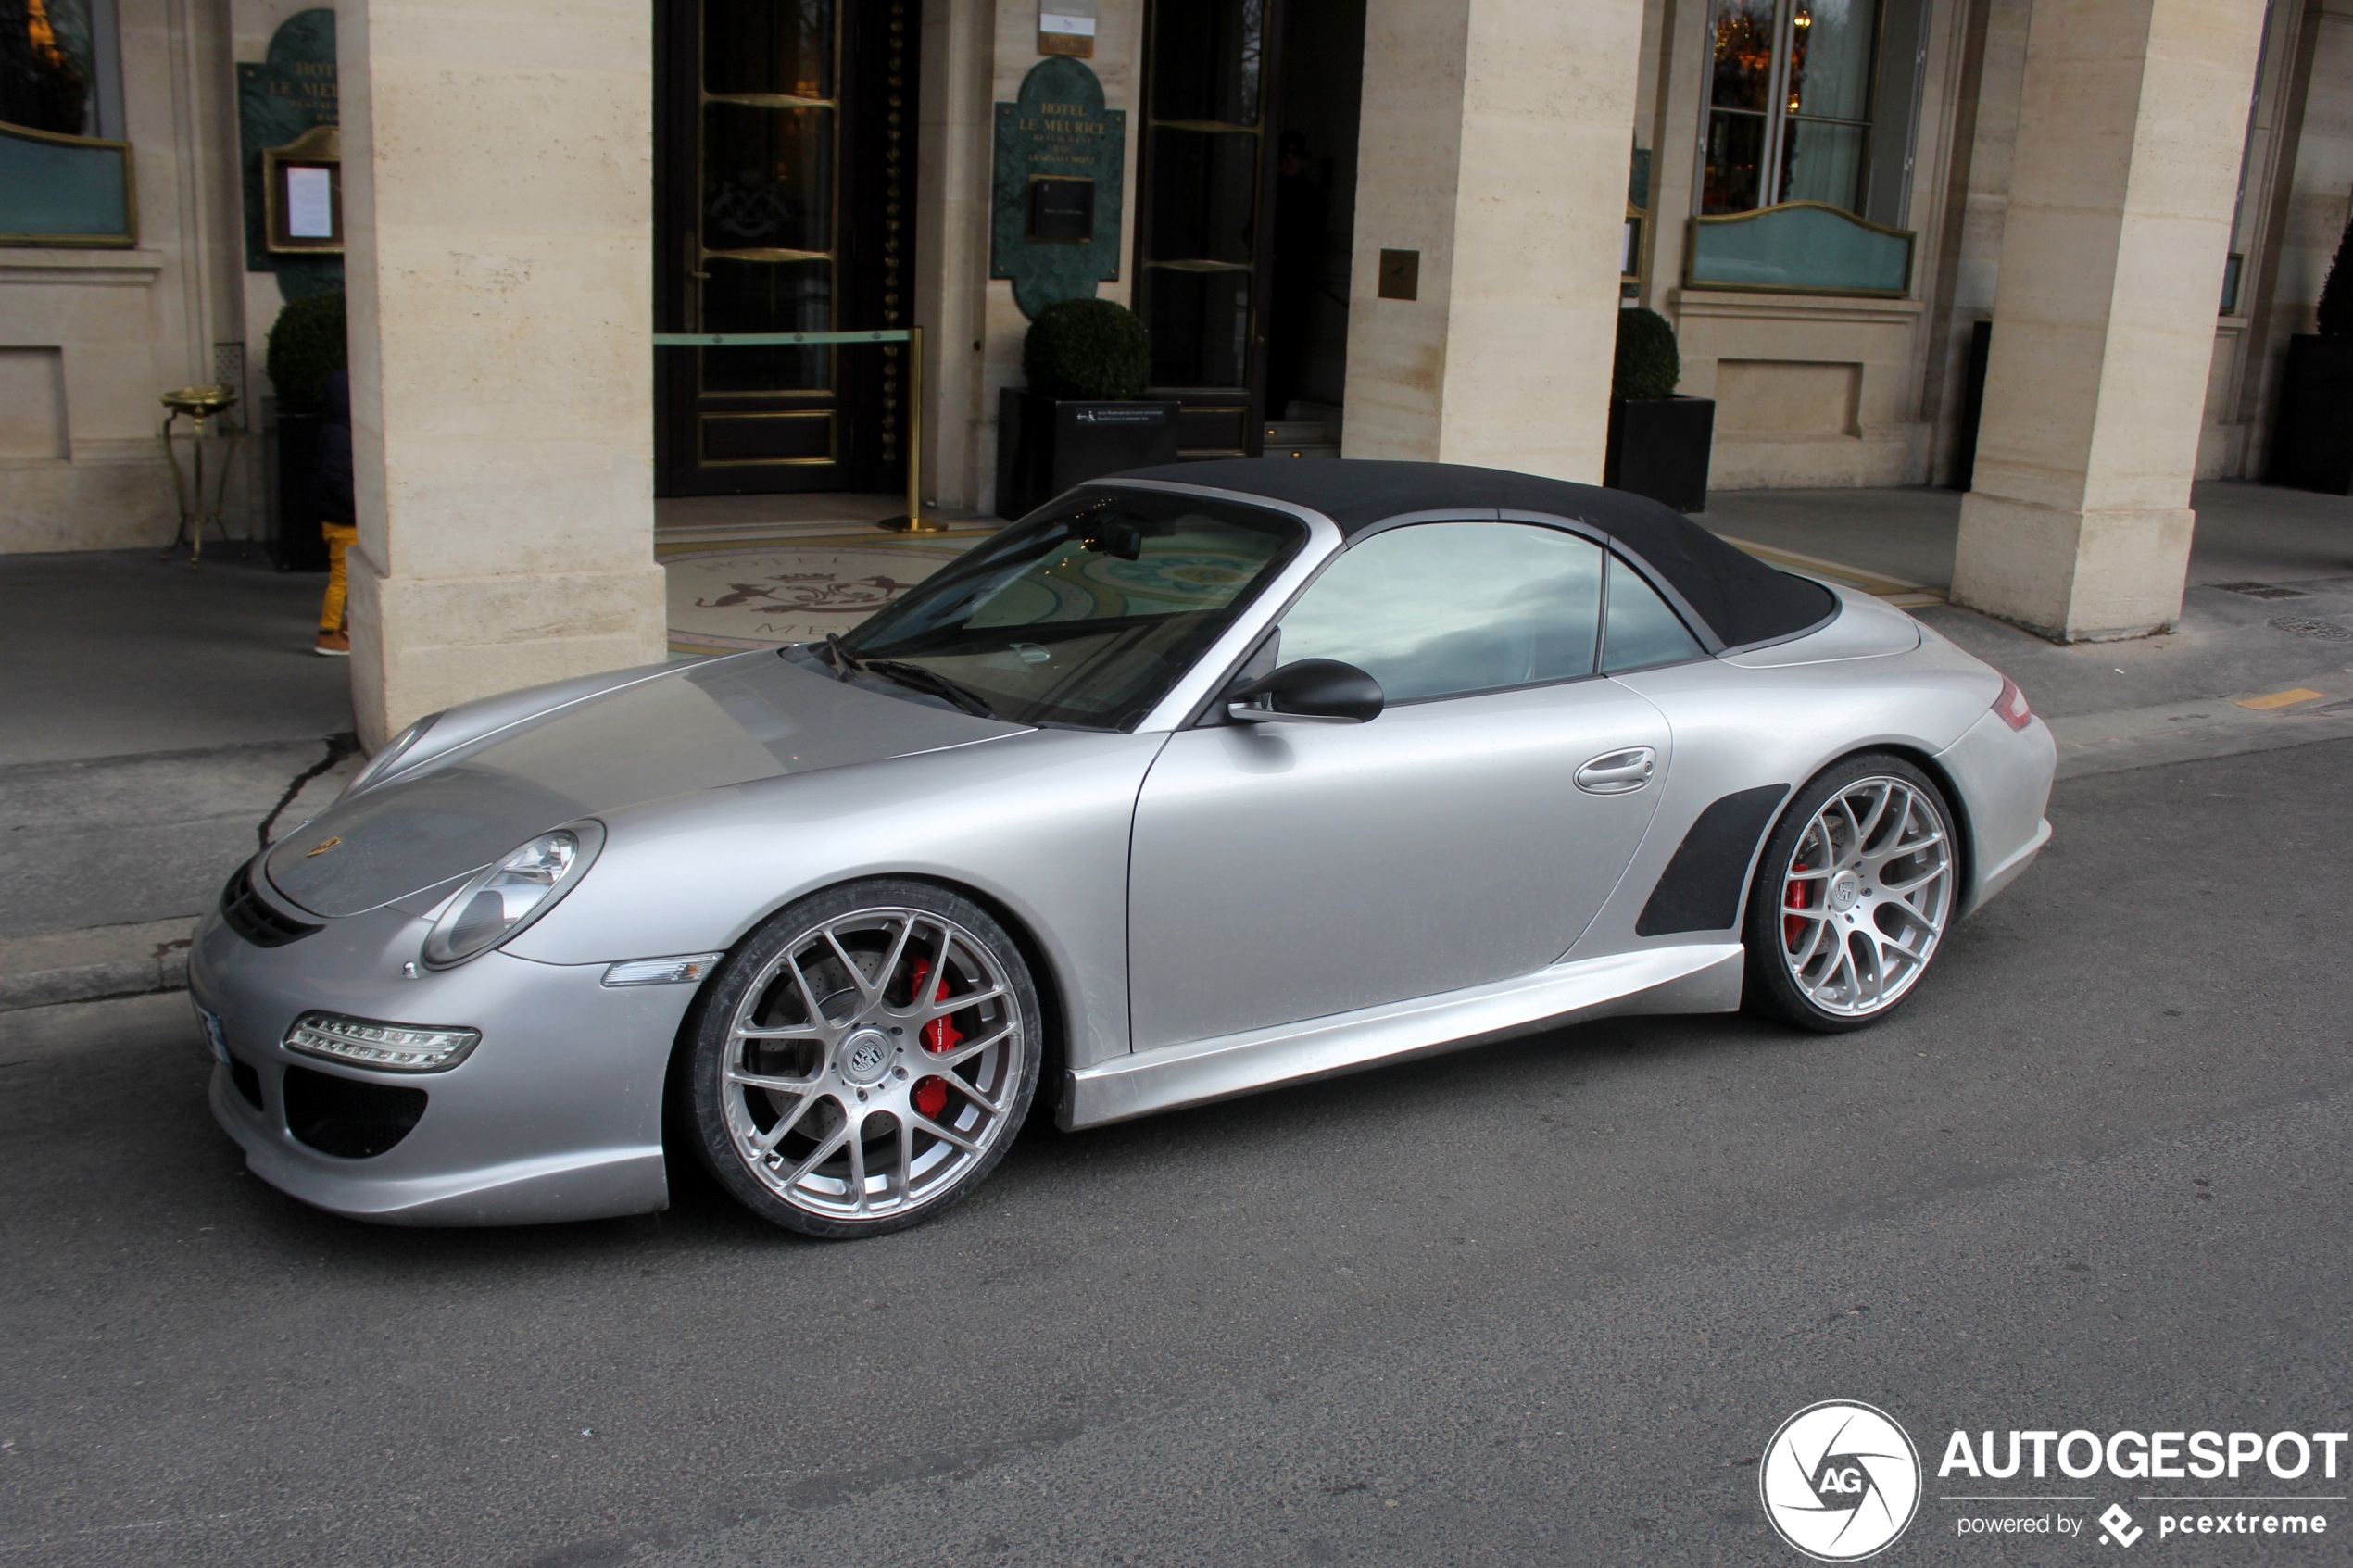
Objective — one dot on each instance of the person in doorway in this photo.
(1301, 211)
(331, 498)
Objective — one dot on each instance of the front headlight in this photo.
(381, 763)
(502, 900)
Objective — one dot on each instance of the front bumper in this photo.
(556, 1115)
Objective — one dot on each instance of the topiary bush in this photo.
(305, 344)
(2336, 295)
(1088, 348)
(1648, 365)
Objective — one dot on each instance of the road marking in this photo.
(2287, 698)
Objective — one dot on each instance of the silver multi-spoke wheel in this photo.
(873, 1064)
(1866, 896)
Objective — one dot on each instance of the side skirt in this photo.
(1698, 977)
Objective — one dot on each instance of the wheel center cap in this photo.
(1845, 887)
(865, 1056)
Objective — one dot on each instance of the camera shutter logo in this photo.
(1840, 1481)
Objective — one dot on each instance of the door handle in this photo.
(1618, 772)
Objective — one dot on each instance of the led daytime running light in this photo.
(388, 1048)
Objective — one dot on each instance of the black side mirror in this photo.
(1311, 691)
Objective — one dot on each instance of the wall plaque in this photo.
(1401, 274)
(1058, 132)
(1066, 27)
(279, 98)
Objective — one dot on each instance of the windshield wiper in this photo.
(843, 662)
(927, 679)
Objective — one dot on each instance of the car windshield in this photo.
(1085, 614)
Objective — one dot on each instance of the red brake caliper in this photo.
(940, 1037)
(1794, 897)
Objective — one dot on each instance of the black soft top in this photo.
(1743, 600)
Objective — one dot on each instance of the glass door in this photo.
(1789, 110)
(1203, 214)
(783, 163)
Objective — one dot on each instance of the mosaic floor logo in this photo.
(1840, 1481)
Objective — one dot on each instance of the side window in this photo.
(1642, 630)
(1448, 608)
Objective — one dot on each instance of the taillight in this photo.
(2011, 706)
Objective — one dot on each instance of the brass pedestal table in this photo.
(199, 403)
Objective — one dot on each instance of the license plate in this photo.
(215, 1037)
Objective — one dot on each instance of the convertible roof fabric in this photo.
(1743, 600)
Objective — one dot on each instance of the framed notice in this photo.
(302, 193)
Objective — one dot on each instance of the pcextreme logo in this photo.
(1840, 1481)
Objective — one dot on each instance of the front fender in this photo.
(1039, 823)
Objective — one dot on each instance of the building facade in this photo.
(2051, 249)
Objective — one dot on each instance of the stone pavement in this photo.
(2262, 656)
(158, 724)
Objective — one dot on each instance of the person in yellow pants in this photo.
(331, 498)
(334, 642)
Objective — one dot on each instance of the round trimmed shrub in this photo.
(1647, 366)
(305, 344)
(2336, 295)
(1088, 348)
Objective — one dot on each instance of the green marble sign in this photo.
(278, 99)
(1057, 133)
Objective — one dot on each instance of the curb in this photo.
(99, 961)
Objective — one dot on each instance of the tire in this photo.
(833, 1089)
(1838, 941)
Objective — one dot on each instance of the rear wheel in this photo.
(1853, 895)
(864, 1060)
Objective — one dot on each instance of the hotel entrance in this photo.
(784, 174)
(1246, 205)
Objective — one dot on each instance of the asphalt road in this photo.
(1540, 1303)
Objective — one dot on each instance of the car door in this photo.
(1283, 872)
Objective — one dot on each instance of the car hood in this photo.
(704, 726)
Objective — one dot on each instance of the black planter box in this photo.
(1046, 445)
(2312, 436)
(1659, 446)
(296, 542)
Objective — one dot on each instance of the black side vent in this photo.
(346, 1117)
(248, 1082)
(256, 921)
(1700, 890)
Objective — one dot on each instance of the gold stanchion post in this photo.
(914, 521)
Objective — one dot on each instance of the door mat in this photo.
(733, 597)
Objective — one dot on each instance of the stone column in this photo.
(499, 193)
(2130, 129)
(1494, 144)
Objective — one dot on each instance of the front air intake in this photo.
(250, 917)
(348, 1118)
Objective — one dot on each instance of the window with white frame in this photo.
(1813, 101)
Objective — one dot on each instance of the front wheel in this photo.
(864, 1061)
(1853, 895)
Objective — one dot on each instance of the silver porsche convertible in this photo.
(1198, 781)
